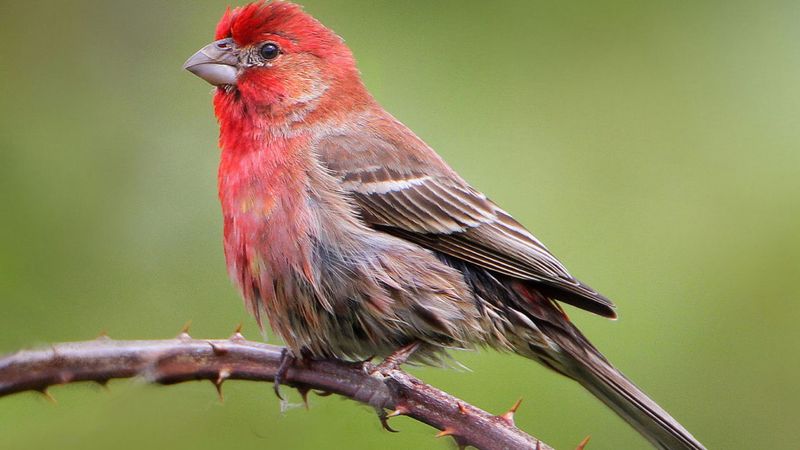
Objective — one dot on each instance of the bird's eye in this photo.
(269, 51)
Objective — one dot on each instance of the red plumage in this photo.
(354, 238)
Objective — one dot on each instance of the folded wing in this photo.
(413, 194)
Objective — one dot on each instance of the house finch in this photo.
(354, 238)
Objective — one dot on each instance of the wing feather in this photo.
(413, 194)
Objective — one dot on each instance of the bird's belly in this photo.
(371, 298)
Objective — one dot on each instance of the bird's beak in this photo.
(216, 63)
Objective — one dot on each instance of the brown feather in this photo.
(425, 202)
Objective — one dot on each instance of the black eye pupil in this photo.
(269, 51)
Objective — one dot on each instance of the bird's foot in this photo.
(396, 359)
(287, 359)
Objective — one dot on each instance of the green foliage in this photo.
(652, 145)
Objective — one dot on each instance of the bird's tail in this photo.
(579, 360)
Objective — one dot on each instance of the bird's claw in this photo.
(395, 360)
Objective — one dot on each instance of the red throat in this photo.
(265, 228)
(267, 126)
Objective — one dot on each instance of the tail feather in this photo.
(586, 365)
(633, 405)
(550, 338)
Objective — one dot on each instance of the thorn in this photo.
(103, 384)
(538, 445)
(237, 334)
(304, 394)
(399, 411)
(583, 443)
(48, 396)
(103, 336)
(218, 387)
(184, 334)
(508, 417)
(219, 351)
(446, 432)
(224, 374)
(461, 408)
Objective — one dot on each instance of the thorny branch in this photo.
(185, 359)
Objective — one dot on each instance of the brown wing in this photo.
(413, 194)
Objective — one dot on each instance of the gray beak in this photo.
(216, 63)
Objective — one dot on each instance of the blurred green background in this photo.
(652, 145)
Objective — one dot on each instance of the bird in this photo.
(353, 238)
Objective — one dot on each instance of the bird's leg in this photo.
(397, 358)
(287, 359)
